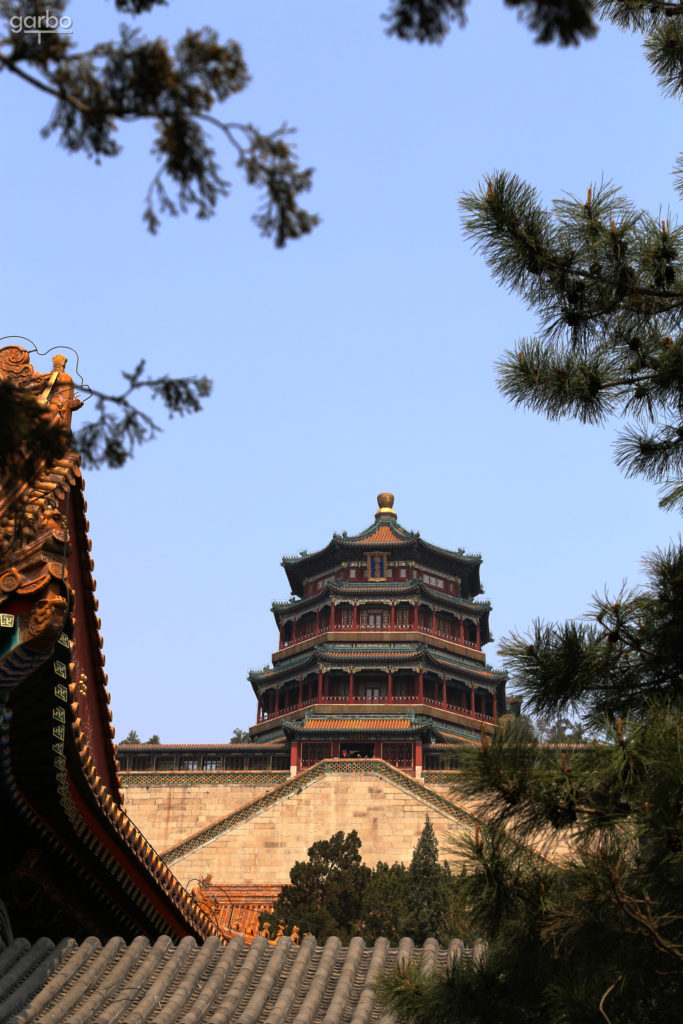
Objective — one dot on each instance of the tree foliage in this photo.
(239, 736)
(325, 892)
(605, 280)
(576, 881)
(427, 890)
(176, 90)
(121, 425)
(626, 654)
(383, 908)
(132, 737)
(333, 893)
(429, 21)
(599, 931)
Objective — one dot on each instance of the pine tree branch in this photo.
(135, 79)
(59, 94)
(640, 911)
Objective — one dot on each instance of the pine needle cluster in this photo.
(576, 879)
(593, 929)
(605, 281)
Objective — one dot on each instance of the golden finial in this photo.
(385, 501)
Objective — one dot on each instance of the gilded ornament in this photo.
(14, 363)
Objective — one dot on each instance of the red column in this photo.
(392, 616)
(478, 637)
(320, 686)
(332, 617)
(418, 756)
(258, 708)
(317, 621)
(280, 647)
(294, 758)
(293, 631)
(421, 687)
(390, 687)
(416, 616)
(433, 621)
(443, 694)
(461, 631)
(351, 694)
(495, 707)
(301, 692)
(355, 616)
(473, 702)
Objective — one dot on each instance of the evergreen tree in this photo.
(594, 930)
(427, 898)
(239, 736)
(178, 90)
(325, 892)
(383, 910)
(334, 894)
(605, 281)
(132, 737)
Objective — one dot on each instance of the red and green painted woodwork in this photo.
(380, 621)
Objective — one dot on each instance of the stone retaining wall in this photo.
(262, 850)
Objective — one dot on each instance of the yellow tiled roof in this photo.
(357, 724)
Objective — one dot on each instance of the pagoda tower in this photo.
(379, 653)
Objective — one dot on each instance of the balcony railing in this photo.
(359, 698)
(422, 627)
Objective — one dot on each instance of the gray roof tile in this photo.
(261, 983)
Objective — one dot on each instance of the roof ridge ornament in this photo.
(385, 502)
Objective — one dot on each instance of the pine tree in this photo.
(427, 897)
(576, 879)
(325, 892)
(605, 281)
(383, 910)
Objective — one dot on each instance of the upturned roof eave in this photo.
(375, 589)
(299, 567)
(325, 653)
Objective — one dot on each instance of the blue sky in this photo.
(357, 360)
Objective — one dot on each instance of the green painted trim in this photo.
(190, 779)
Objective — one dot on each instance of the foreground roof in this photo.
(201, 983)
(70, 858)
